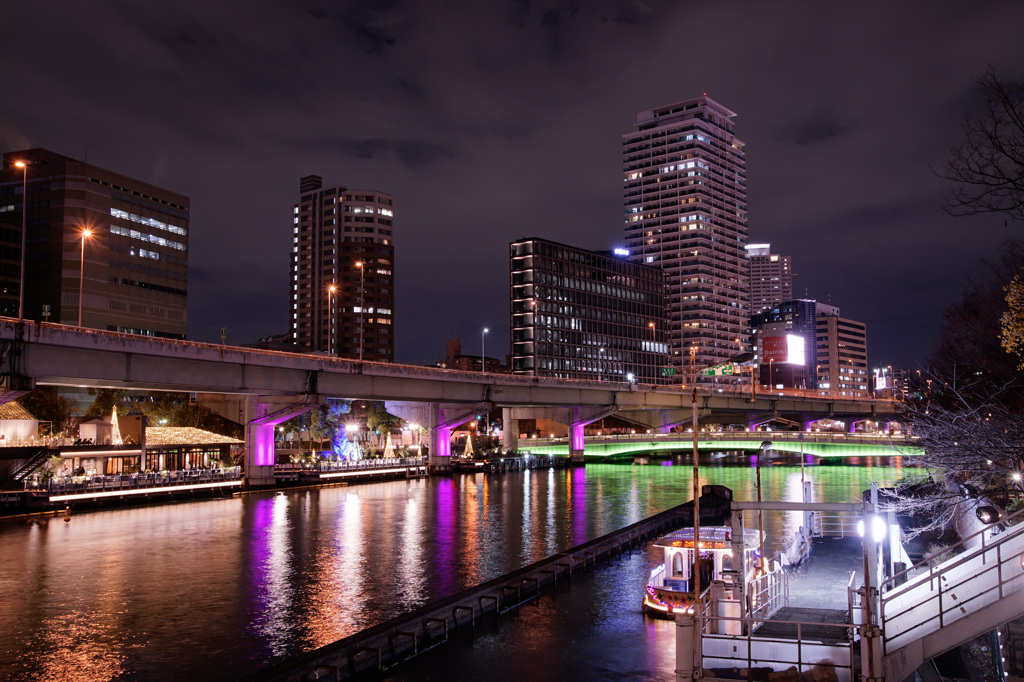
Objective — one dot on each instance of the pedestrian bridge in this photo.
(890, 628)
(809, 444)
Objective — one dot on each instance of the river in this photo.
(220, 588)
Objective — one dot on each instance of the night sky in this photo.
(491, 121)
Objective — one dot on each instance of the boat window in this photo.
(677, 563)
(726, 562)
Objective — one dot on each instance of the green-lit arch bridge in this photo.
(812, 444)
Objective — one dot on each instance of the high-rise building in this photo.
(685, 201)
(119, 242)
(842, 363)
(342, 271)
(785, 342)
(771, 278)
(580, 314)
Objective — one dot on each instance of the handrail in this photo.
(1017, 519)
(998, 569)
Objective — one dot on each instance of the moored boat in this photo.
(670, 586)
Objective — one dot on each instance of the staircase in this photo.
(31, 464)
(944, 604)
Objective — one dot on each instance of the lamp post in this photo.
(696, 500)
(482, 354)
(86, 233)
(765, 447)
(330, 318)
(362, 303)
(24, 212)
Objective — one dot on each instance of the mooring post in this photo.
(684, 647)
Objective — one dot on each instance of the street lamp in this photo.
(24, 212)
(764, 448)
(362, 303)
(330, 318)
(482, 354)
(86, 233)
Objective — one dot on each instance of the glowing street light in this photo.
(24, 212)
(482, 355)
(86, 233)
(330, 318)
(362, 304)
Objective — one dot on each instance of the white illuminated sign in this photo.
(620, 252)
(795, 350)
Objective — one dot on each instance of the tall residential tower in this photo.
(771, 278)
(685, 200)
(342, 272)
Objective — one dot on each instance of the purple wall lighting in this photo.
(262, 444)
(576, 437)
(443, 438)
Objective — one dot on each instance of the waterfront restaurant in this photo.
(164, 448)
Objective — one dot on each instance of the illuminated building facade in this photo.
(784, 339)
(842, 365)
(685, 202)
(133, 274)
(580, 314)
(771, 278)
(343, 238)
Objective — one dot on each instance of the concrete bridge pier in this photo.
(579, 418)
(754, 422)
(509, 430)
(262, 415)
(442, 419)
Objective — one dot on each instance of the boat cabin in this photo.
(670, 588)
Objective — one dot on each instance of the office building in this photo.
(580, 314)
(342, 272)
(785, 342)
(771, 278)
(685, 202)
(100, 247)
(842, 356)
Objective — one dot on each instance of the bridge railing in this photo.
(327, 465)
(353, 365)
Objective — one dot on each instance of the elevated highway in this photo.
(262, 388)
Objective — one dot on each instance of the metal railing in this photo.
(952, 589)
(109, 483)
(326, 465)
(834, 525)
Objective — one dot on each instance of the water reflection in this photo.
(224, 587)
(271, 587)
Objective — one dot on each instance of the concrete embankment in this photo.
(404, 637)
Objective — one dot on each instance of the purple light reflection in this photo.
(446, 520)
(578, 504)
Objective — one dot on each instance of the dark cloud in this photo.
(494, 121)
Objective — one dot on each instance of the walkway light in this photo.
(877, 528)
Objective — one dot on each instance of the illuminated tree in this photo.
(1012, 335)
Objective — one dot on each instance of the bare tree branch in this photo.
(987, 168)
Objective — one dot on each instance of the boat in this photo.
(670, 589)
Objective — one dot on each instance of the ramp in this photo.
(944, 604)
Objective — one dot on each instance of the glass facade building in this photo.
(580, 314)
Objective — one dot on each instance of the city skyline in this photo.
(515, 129)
